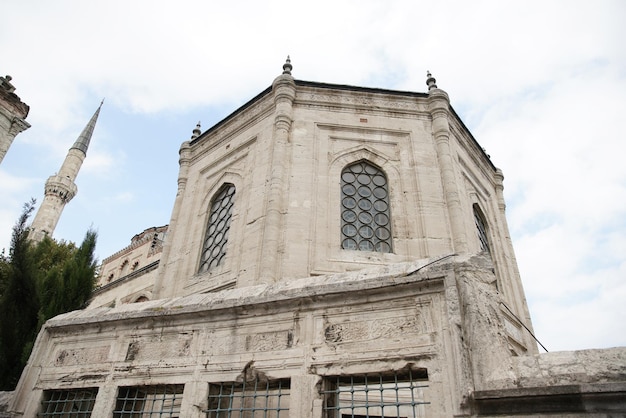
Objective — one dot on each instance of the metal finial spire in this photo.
(102, 102)
(430, 81)
(196, 132)
(287, 67)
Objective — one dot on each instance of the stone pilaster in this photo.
(439, 107)
(183, 174)
(284, 89)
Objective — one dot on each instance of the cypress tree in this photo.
(19, 304)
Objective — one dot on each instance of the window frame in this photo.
(53, 398)
(365, 208)
(154, 394)
(225, 399)
(366, 394)
(207, 258)
(482, 229)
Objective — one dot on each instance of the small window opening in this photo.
(268, 399)
(70, 403)
(376, 396)
(149, 401)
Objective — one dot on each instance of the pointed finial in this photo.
(102, 102)
(287, 66)
(196, 132)
(430, 81)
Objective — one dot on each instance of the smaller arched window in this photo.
(141, 298)
(481, 228)
(365, 214)
(124, 268)
(216, 236)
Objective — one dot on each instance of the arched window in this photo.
(214, 247)
(365, 217)
(481, 227)
(124, 268)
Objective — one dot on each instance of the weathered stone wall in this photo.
(375, 320)
(330, 128)
(13, 113)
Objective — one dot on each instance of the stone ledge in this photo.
(412, 273)
(576, 398)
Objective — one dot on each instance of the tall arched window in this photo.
(365, 217)
(216, 236)
(481, 227)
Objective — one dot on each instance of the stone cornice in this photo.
(13, 104)
(426, 274)
(366, 101)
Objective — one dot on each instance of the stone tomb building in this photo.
(128, 275)
(333, 251)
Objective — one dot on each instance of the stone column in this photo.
(284, 89)
(439, 108)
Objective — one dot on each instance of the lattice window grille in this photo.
(149, 401)
(481, 230)
(376, 396)
(267, 399)
(71, 403)
(216, 237)
(365, 213)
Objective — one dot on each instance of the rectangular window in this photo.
(270, 399)
(149, 401)
(71, 403)
(376, 396)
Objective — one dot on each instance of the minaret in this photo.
(61, 188)
(13, 113)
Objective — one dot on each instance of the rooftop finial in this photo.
(430, 81)
(287, 66)
(196, 132)
(102, 102)
(5, 83)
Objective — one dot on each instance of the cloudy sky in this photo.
(541, 85)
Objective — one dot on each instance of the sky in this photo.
(540, 84)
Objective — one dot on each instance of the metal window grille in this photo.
(365, 217)
(481, 229)
(216, 237)
(71, 403)
(149, 401)
(376, 396)
(267, 399)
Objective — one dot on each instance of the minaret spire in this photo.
(60, 188)
(82, 143)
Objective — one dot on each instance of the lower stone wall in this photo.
(387, 323)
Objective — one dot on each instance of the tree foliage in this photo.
(38, 282)
(19, 304)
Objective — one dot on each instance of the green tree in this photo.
(19, 304)
(68, 276)
(38, 282)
